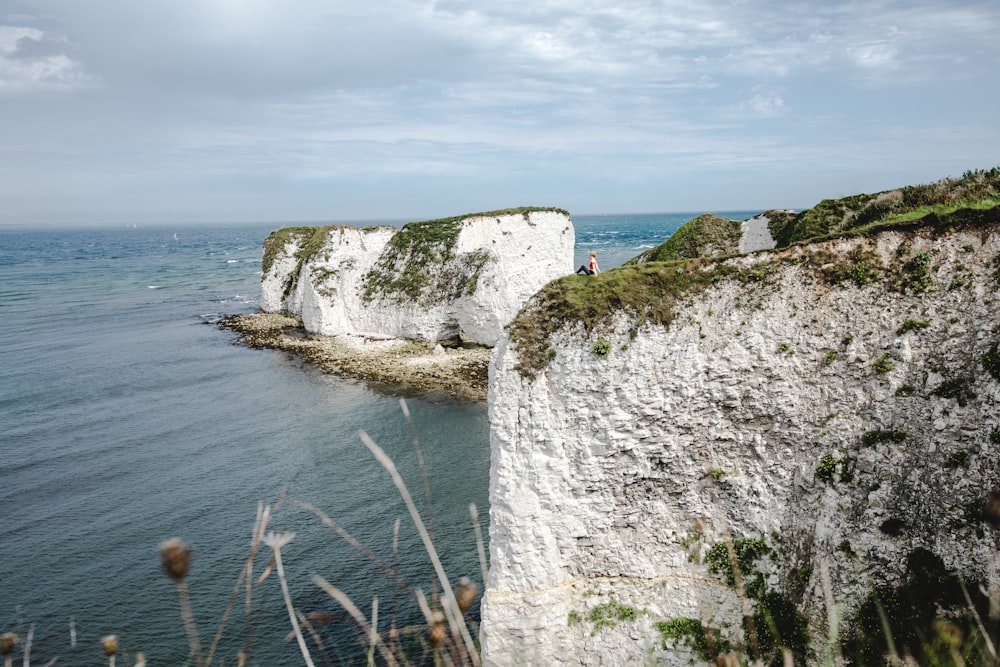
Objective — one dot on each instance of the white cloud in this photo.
(312, 90)
(32, 60)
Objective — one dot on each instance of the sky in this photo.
(190, 111)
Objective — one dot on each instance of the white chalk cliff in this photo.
(834, 405)
(461, 278)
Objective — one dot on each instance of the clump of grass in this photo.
(826, 470)
(917, 274)
(991, 362)
(601, 348)
(884, 364)
(911, 325)
(704, 641)
(649, 293)
(957, 388)
(932, 616)
(870, 438)
(610, 614)
(707, 235)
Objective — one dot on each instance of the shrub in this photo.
(601, 348)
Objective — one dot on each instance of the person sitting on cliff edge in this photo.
(590, 269)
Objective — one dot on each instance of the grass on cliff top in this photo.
(312, 239)
(417, 265)
(646, 292)
(975, 188)
(704, 236)
(650, 292)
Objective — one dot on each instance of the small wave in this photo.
(232, 261)
(152, 287)
(644, 246)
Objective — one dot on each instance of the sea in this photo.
(128, 416)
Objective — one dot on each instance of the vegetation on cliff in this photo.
(419, 264)
(708, 235)
(975, 189)
(651, 292)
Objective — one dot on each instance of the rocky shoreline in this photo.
(393, 365)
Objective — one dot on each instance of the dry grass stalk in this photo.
(354, 542)
(304, 623)
(257, 536)
(979, 623)
(832, 616)
(420, 464)
(27, 645)
(455, 619)
(344, 601)
(373, 634)
(276, 541)
(480, 547)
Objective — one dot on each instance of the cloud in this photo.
(310, 91)
(32, 60)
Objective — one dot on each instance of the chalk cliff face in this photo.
(826, 415)
(461, 278)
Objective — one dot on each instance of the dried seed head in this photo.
(438, 633)
(110, 644)
(465, 594)
(140, 660)
(7, 641)
(241, 658)
(176, 557)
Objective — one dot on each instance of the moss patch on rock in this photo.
(419, 264)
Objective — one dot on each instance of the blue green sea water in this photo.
(129, 417)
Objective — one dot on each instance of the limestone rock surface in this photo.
(837, 402)
(461, 278)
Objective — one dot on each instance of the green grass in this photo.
(707, 235)
(419, 264)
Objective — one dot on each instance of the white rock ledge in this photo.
(503, 257)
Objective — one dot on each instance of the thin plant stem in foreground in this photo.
(449, 603)
(344, 601)
(176, 557)
(479, 541)
(276, 541)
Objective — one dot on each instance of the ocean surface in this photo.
(128, 417)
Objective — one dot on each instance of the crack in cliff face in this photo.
(838, 400)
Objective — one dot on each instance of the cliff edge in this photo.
(753, 454)
(456, 279)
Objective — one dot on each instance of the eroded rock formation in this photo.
(826, 417)
(458, 279)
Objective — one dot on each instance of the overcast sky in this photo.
(119, 111)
